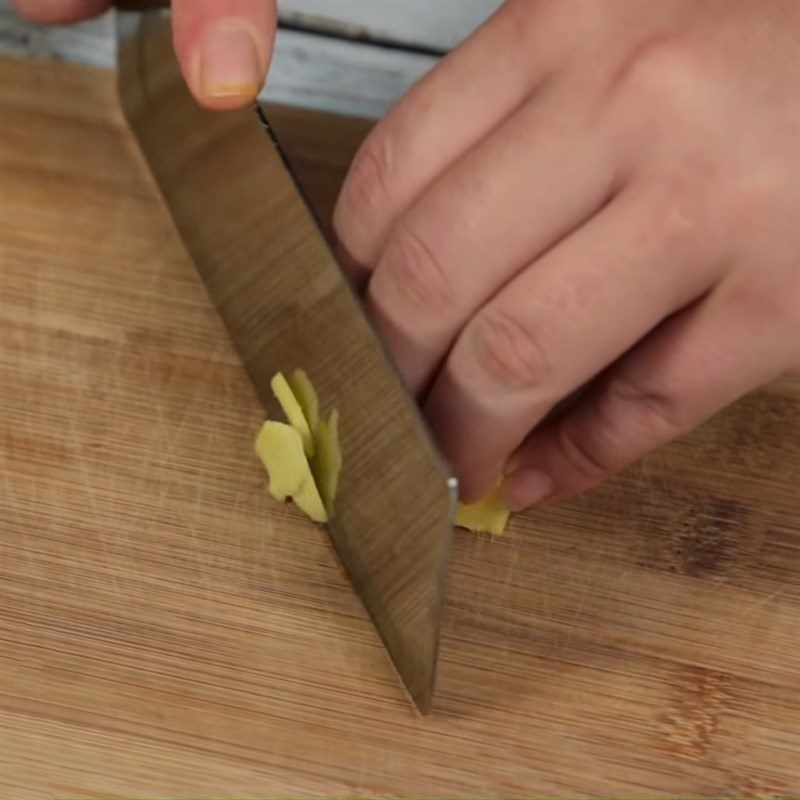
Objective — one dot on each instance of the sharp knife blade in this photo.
(286, 304)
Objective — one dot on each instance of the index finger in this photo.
(433, 125)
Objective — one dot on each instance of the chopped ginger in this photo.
(309, 502)
(486, 516)
(293, 410)
(306, 396)
(327, 462)
(303, 459)
(280, 448)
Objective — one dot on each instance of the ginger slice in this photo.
(306, 396)
(293, 410)
(486, 516)
(310, 503)
(327, 462)
(303, 458)
(280, 448)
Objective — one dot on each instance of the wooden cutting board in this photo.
(170, 631)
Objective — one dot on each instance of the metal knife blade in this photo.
(286, 304)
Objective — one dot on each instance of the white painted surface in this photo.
(348, 77)
(343, 77)
(90, 42)
(439, 24)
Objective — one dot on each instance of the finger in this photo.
(440, 118)
(488, 216)
(560, 322)
(56, 12)
(694, 365)
(224, 48)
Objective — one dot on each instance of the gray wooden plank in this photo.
(307, 70)
(437, 24)
(342, 77)
(90, 42)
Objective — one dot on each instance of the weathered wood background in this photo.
(348, 56)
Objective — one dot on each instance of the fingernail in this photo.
(229, 61)
(526, 487)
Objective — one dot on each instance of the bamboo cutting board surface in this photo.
(169, 631)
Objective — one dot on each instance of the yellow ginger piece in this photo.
(303, 459)
(327, 462)
(310, 503)
(280, 448)
(486, 516)
(306, 396)
(293, 410)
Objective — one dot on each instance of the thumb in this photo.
(224, 48)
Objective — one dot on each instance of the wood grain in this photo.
(169, 631)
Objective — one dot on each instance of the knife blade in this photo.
(286, 303)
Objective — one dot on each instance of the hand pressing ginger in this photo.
(600, 195)
(599, 192)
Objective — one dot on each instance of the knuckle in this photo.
(369, 178)
(519, 20)
(663, 70)
(582, 454)
(509, 352)
(769, 309)
(756, 195)
(654, 413)
(416, 274)
(628, 420)
(677, 217)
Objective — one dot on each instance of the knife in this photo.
(287, 304)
